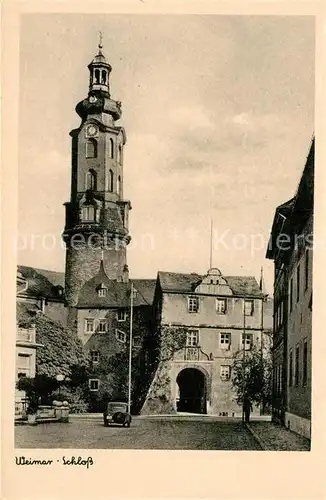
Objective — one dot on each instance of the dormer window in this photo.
(101, 291)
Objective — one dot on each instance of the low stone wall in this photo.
(298, 424)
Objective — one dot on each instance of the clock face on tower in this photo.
(92, 98)
(91, 130)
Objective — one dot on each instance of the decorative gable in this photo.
(213, 283)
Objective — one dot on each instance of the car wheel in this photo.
(128, 424)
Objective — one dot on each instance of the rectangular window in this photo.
(291, 294)
(297, 366)
(94, 384)
(291, 369)
(249, 307)
(136, 341)
(305, 363)
(225, 340)
(193, 304)
(248, 341)
(89, 214)
(307, 269)
(192, 338)
(23, 365)
(225, 372)
(102, 325)
(298, 282)
(221, 306)
(102, 292)
(89, 325)
(121, 315)
(95, 356)
(121, 336)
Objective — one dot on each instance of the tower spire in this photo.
(100, 45)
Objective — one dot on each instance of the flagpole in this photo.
(211, 246)
(130, 345)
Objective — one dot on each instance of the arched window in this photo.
(111, 181)
(103, 80)
(90, 182)
(120, 154)
(91, 148)
(97, 76)
(88, 213)
(111, 148)
(119, 186)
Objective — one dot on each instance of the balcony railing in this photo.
(26, 335)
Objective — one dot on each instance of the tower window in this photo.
(91, 148)
(95, 356)
(89, 325)
(111, 148)
(102, 325)
(103, 80)
(120, 154)
(89, 213)
(97, 76)
(111, 178)
(119, 185)
(90, 180)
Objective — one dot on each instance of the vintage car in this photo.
(116, 413)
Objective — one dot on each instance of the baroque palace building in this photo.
(219, 315)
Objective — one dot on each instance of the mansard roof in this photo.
(42, 282)
(186, 283)
(117, 292)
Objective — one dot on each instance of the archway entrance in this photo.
(192, 391)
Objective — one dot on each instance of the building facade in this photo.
(218, 317)
(291, 248)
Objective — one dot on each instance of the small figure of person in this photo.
(247, 407)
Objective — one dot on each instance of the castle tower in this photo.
(96, 227)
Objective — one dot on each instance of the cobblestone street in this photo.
(194, 433)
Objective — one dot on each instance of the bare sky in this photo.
(219, 115)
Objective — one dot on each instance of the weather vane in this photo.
(101, 40)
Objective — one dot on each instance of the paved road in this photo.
(196, 433)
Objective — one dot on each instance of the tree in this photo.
(252, 377)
